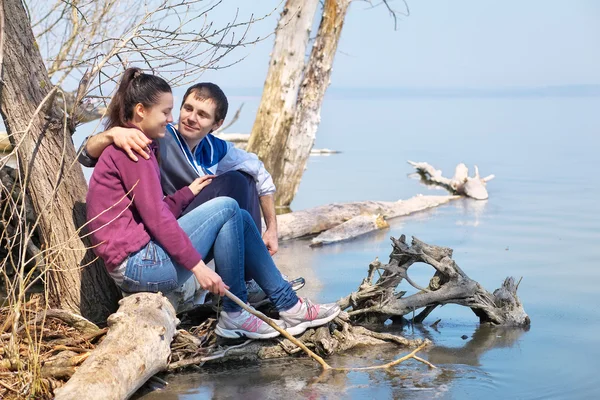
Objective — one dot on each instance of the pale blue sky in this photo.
(462, 43)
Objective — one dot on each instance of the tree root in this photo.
(376, 302)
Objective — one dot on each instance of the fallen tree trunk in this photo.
(379, 301)
(137, 346)
(319, 219)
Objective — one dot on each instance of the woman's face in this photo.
(154, 119)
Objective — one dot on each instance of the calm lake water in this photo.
(542, 223)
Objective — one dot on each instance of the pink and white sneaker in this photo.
(309, 316)
(245, 325)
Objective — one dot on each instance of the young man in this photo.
(189, 150)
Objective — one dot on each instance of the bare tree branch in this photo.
(88, 38)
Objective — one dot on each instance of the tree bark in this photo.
(137, 346)
(302, 132)
(53, 178)
(278, 102)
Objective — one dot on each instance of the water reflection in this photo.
(301, 378)
(471, 211)
(484, 339)
(294, 259)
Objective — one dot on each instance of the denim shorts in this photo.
(149, 270)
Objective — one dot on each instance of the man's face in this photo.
(197, 118)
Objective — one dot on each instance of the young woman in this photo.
(145, 247)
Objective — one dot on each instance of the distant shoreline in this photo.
(579, 90)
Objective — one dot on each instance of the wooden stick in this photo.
(324, 364)
(388, 365)
(425, 362)
(273, 325)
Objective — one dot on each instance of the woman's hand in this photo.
(209, 279)
(200, 183)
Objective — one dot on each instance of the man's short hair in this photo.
(209, 91)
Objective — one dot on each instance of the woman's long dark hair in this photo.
(135, 87)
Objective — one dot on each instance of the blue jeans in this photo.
(219, 229)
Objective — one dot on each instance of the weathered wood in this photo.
(276, 110)
(337, 337)
(460, 183)
(136, 347)
(319, 219)
(350, 229)
(55, 180)
(76, 321)
(317, 77)
(378, 301)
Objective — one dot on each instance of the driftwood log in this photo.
(137, 346)
(460, 183)
(354, 227)
(322, 218)
(378, 301)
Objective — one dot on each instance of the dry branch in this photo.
(377, 301)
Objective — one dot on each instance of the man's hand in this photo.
(209, 279)
(271, 240)
(132, 141)
(200, 183)
(267, 205)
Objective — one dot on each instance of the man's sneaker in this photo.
(297, 283)
(309, 316)
(245, 325)
(257, 297)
